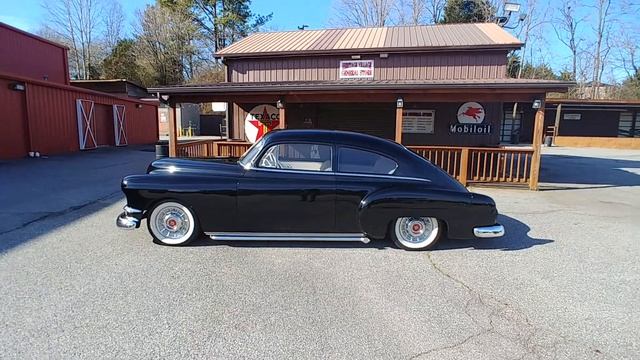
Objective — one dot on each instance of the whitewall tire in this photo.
(172, 223)
(416, 233)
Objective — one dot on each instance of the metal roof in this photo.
(398, 38)
(262, 87)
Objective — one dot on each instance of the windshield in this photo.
(248, 156)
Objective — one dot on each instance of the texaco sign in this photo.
(259, 121)
(470, 120)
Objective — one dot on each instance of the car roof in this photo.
(335, 136)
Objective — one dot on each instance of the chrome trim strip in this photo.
(130, 210)
(493, 231)
(258, 236)
(393, 177)
(383, 176)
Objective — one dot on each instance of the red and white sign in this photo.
(471, 113)
(259, 121)
(356, 69)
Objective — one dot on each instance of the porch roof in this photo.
(507, 84)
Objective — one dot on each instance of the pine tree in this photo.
(468, 11)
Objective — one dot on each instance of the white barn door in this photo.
(120, 125)
(86, 124)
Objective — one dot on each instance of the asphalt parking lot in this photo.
(563, 283)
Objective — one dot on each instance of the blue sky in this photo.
(28, 14)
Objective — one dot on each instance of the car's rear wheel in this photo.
(172, 223)
(416, 233)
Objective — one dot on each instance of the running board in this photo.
(255, 236)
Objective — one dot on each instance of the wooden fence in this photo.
(467, 164)
(211, 148)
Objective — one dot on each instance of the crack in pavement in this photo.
(60, 212)
(494, 317)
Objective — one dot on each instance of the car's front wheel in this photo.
(172, 223)
(416, 233)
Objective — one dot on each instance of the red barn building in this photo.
(42, 112)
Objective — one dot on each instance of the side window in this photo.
(304, 157)
(364, 162)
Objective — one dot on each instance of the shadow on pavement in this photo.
(41, 193)
(516, 238)
(563, 171)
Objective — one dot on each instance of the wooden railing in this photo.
(467, 164)
(211, 148)
(481, 165)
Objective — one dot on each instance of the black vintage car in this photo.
(308, 185)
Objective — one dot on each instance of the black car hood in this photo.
(224, 166)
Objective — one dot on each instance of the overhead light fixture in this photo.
(537, 104)
(400, 103)
(512, 7)
(355, 57)
(164, 97)
(139, 106)
(280, 104)
(17, 86)
(384, 55)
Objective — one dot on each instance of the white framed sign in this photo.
(356, 69)
(416, 121)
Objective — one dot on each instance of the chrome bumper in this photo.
(496, 230)
(126, 221)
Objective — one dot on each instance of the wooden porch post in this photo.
(538, 127)
(557, 123)
(173, 131)
(399, 106)
(281, 114)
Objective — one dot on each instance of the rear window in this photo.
(364, 162)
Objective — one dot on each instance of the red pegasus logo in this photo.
(472, 112)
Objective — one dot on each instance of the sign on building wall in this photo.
(470, 118)
(572, 116)
(260, 120)
(356, 69)
(418, 121)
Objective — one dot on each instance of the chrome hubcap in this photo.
(416, 231)
(171, 222)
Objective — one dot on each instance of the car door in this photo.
(290, 188)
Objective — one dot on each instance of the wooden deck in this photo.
(467, 164)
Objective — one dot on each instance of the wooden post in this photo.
(173, 132)
(282, 117)
(557, 123)
(464, 166)
(398, 137)
(538, 128)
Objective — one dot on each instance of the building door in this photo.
(120, 125)
(86, 124)
(104, 131)
(510, 128)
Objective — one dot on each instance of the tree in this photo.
(122, 63)
(224, 21)
(566, 28)
(601, 32)
(435, 10)
(468, 11)
(113, 24)
(76, 22)
(362, 13)
(165, 46)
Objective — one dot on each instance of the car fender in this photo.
(460, 211)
